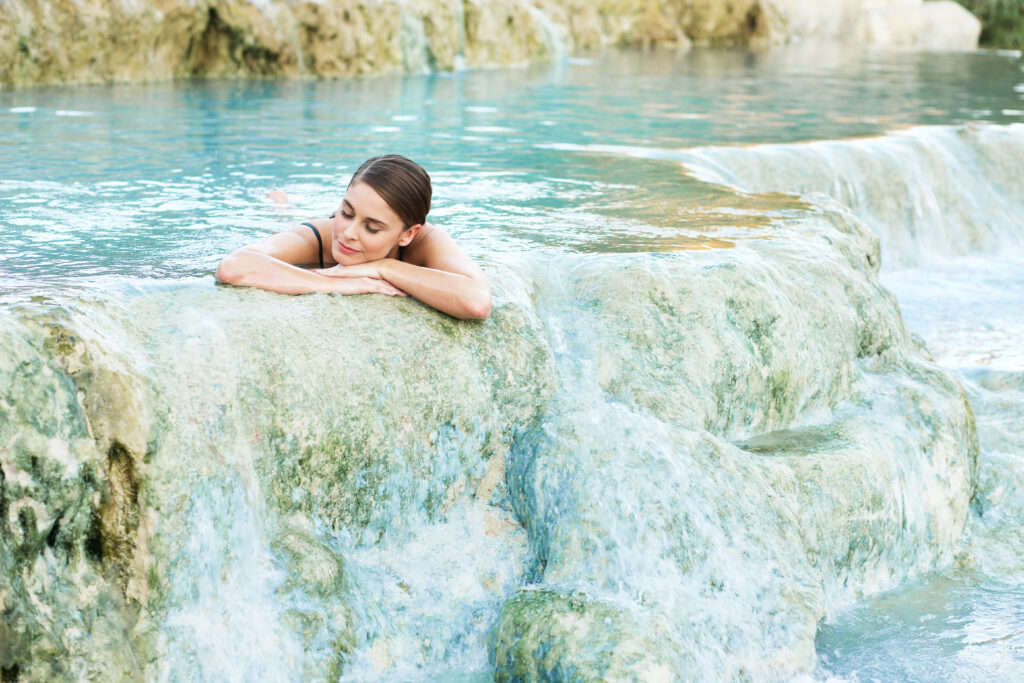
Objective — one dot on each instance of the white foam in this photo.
(928, 192)
(490, 129)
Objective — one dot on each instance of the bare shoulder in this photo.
(323, 226)
(298, 245)
(435, 248)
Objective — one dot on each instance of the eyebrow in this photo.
(351, 209)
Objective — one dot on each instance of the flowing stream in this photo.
(749, 405)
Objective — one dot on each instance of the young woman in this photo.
(379, 241)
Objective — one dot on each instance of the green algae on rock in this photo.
(71, 544)
(546, 635)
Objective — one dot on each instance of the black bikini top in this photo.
(319, 243)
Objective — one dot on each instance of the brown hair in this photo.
(401, 182)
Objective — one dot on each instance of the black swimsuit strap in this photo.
(319, 243)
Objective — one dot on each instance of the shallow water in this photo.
(137, 191)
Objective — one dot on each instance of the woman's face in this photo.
(366, 228)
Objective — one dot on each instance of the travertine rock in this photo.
(94, 41)
(900, 23)
(503, 32)
(74, 431)
(930, 26)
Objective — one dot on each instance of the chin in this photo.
(349, 259)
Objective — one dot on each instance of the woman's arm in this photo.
(271, 265)
(460, 296)
(437, 272)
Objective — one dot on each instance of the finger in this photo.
(278, 196)
(372, 286)
(391, 290)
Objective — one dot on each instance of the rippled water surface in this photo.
(159, 180)
(127, 186)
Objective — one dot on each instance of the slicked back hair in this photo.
(401, 182)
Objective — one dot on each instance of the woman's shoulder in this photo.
(324, 226)
(425, 233)
(437, 249)
(422, 244)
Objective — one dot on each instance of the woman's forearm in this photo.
(457, 295)
(252, 268)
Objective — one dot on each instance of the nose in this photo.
(350, 232)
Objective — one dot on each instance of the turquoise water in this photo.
(98, 181)
(139, 190)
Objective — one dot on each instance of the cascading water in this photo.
(929, 193)
(696, 439)
(946, 204)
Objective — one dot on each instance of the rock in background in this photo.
(940, 25)
(101, 41)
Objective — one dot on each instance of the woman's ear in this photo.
(408, 234)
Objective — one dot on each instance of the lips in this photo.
(345, 250)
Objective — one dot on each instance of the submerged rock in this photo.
(545, 635)
(759, 442)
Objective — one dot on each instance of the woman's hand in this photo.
(362, 278)
(364, 285)
(367, 269)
